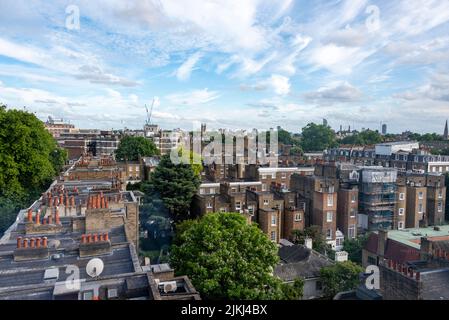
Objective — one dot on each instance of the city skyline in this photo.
(258, 64)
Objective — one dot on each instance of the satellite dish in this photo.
(94, 267)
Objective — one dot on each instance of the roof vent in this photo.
(51, 274)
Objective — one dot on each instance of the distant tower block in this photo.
(446, 132)
(325, 122)
(384, 129)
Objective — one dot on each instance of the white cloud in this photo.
(336, 92)
(192, 98)
(280, 84)
(337, 59)
(436, 89)
(95, 74)
(184, 71)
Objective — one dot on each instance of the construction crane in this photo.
(151, 111)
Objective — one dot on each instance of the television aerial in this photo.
(94, 267)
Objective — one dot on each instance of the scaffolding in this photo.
(378, 199)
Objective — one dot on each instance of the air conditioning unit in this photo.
(170, 286)
(112, 293)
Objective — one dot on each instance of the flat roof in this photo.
(412, 236)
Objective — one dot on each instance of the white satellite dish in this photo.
(94, 267)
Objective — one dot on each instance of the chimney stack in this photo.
(38, 217)
(308, 242)
(19, 242)
(382, 238)
(30, 215)
(426, 248)
(57, 220)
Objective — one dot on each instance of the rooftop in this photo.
(412, 236)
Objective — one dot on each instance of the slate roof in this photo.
(299, 262)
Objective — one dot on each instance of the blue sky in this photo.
(234, 64)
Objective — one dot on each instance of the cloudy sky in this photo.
(229, 63)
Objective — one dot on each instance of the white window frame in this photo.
(330, 200)
(296, 217)
(420, 207)
(352, 213)
(273, 220)
(402, 196)
(401, 211)
(266, 202)
(238, 205)
(331, 214)
(353, 228)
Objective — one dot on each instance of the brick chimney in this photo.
(57, 220)
(382, 238)
(38, 217)
(308, 242)
(425, 249)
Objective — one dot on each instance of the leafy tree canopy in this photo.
(365, 137)
(317, 137)
(29, 160)
(354, 248)
(176, 184)
(342, 276)
(318, 240)
(287, 138)
(130, 148)
(227, 258)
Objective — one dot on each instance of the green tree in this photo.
(296, 150)
(227, 258)
(366, 137)
(130, 148)
(176, 184)
(317, 137)
(354, 248)
(29, 160)
(318, 240)
(294, 291)
(287, 138)
(342, 276)
(429, 137)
